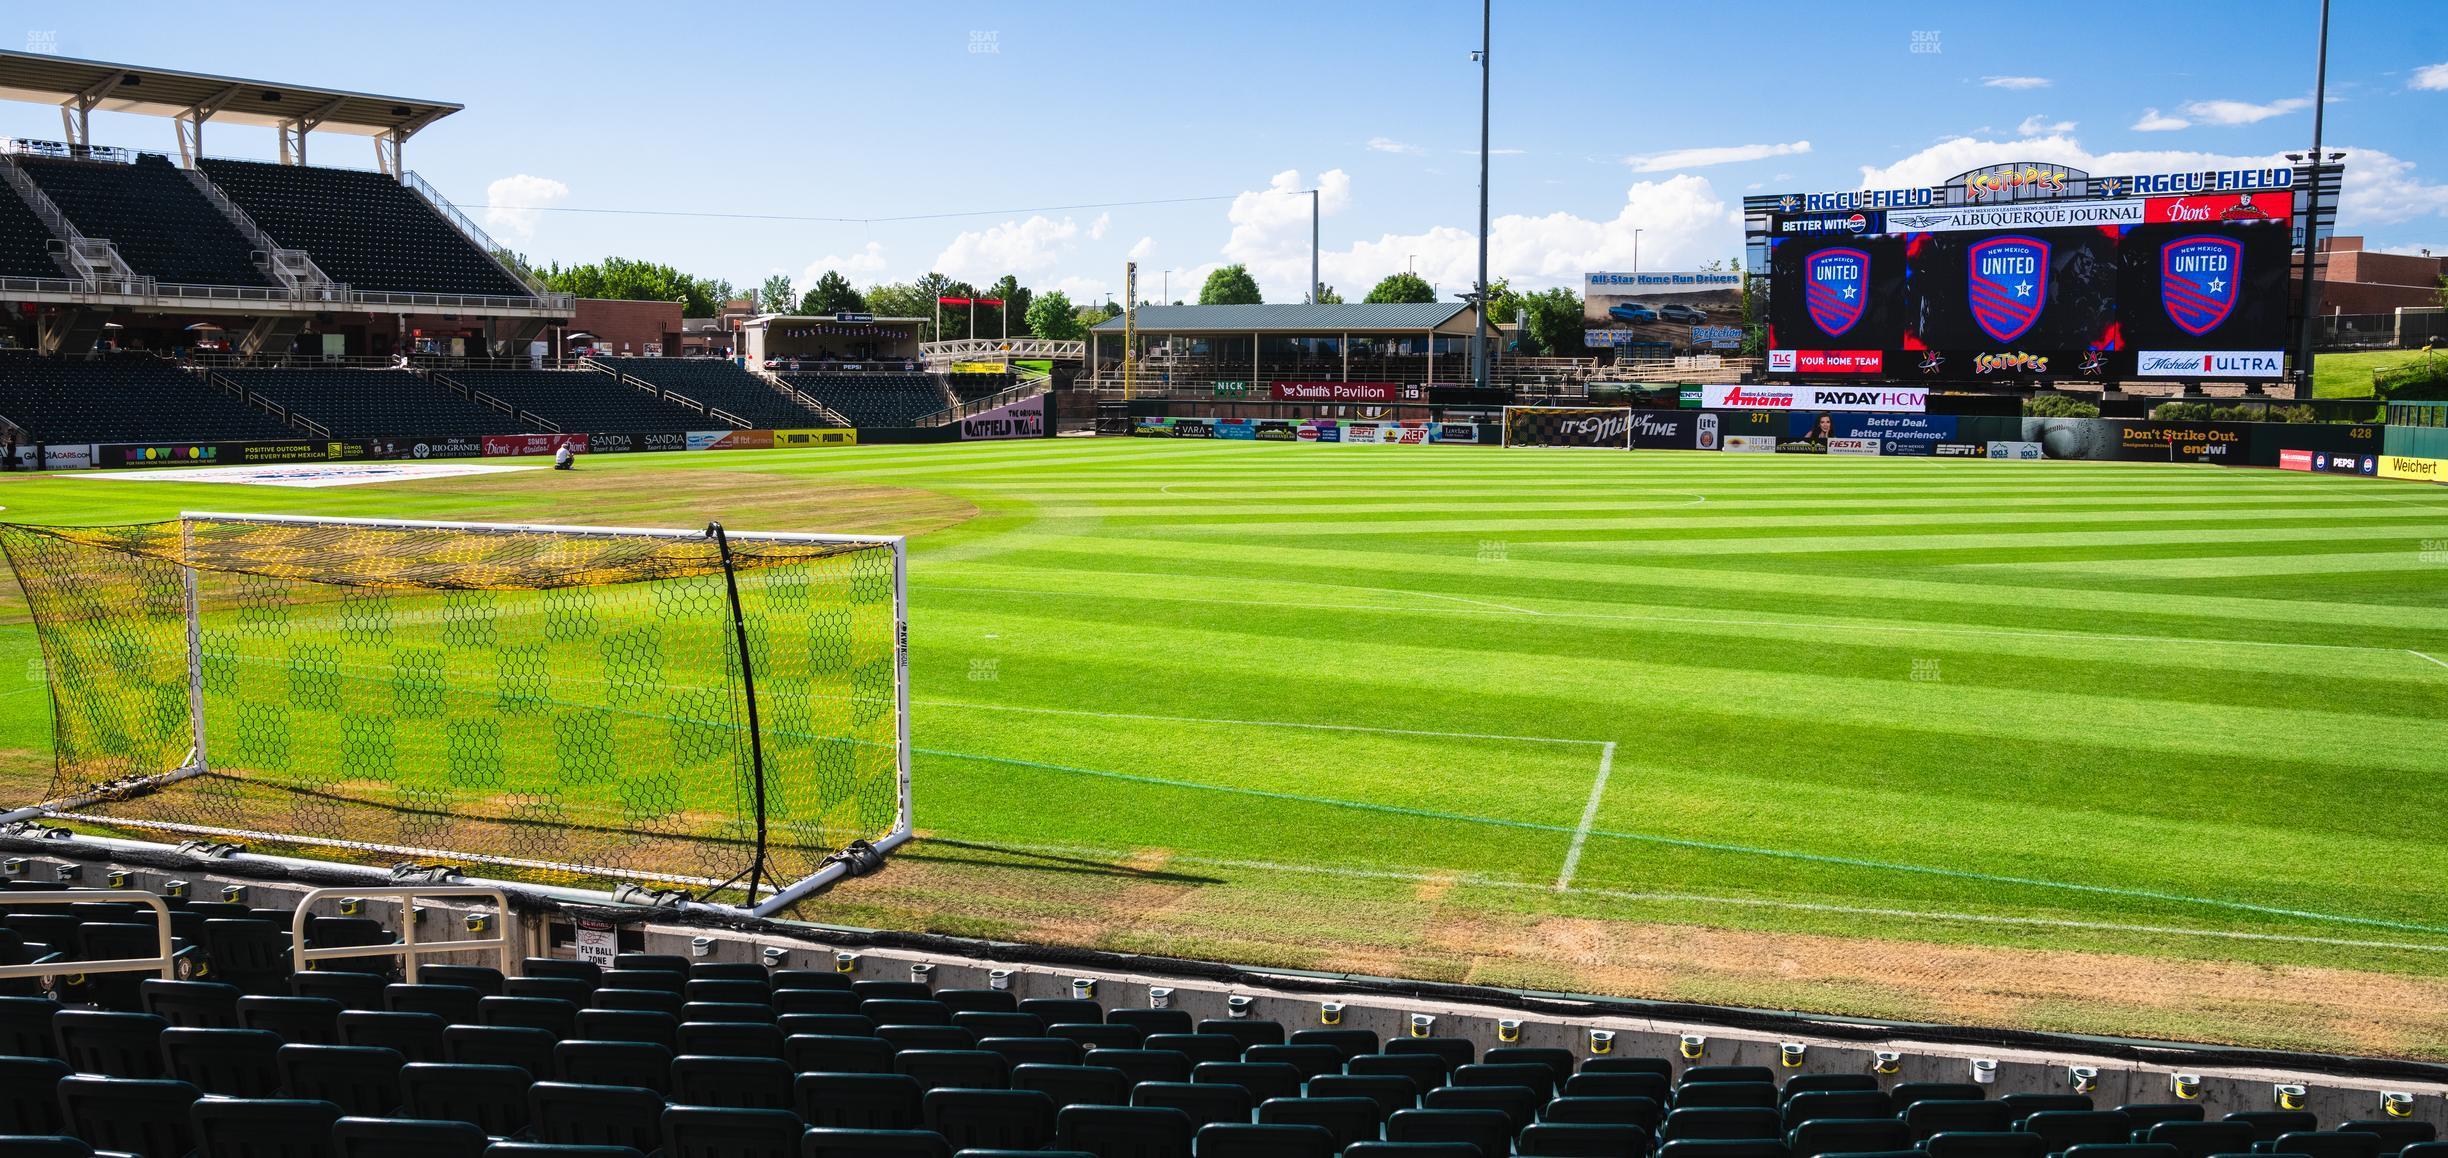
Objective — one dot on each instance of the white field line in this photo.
(1480, 602)
(1477, 881)
(1589, 817)
(2432, 658)
(1607, 744)
(2074, 637)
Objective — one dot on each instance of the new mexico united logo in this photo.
(2197, 281)
(2009, 284)
(1836, 286)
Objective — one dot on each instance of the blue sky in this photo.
(1608, 117)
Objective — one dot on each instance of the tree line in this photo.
(1552, 318)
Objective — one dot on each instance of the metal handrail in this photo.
(165, 963)
(493, 249)
(407, 946)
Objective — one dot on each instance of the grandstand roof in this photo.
(1292, 317)
(43, 78)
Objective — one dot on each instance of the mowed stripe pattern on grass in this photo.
(1908, 662)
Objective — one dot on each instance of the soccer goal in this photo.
(723, 712)
(1568, 426)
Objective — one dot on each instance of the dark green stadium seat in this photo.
(1198, 1047)
(1696, 1075)
(1142, 1065)
(29, 1096)
(710, 1132)
(484, 979)
(991, 1119)
(745, 1083)
(365, 1137)
(1276, 1140)
(1033, 1050)
(728, 1039)
(808, 1053)
(191, 1004)
(1124, 1131)
(1489, 1130)
(264, 1128)
(1848, 1136)
(1939, 1115)
(1263, 1080)
(1347, 1120)
(859, 1101)
(492, 1097)
(1519, 1104)
(1390, 1092)
(113, 1044)
(137, 1115)
(229, 1063)
(661, 1029)
(1204, 1103)
(1081, 1085)
(364, 1081)
(573, 1113)
(298, 1020)
(823, 1143)
(559, 1150)
(970, 1069)
(355, 991)
(2010, 1144)
(1725, 1096)
(1155, 1021)
(1800, 1084)
(559, 1018)
(500, 1045)
(613, 1063)
(416, 1036)
(1580, 1140)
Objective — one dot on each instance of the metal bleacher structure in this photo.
(231, 1004)
(90, 231)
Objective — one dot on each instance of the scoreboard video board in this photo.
(2034, 273)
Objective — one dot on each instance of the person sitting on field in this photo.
(565, 458)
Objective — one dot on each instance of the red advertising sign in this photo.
(2273, 207)
(499, 445)
(2294, 460)
(1346, 391)
(1838, 361)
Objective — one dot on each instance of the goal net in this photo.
(1568, 426)
(694, 708)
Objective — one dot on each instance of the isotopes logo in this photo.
(2197, 281)
(1837, 288)
(2009, 283)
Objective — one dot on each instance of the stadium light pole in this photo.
(1316, 287)
(2320, 100)
(1479, 369)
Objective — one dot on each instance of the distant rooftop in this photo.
(1296, 317)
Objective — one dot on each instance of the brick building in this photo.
(2355, 280)
(623, 327)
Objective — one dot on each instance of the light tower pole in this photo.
(1479, 367)
(2320, 98)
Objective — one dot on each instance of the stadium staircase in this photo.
(153, 215)
(163, 1024)
(738, 397)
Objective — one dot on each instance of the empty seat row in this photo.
(719, 383)
(121, 400)
(363, 228)
(370, 403)
(162, 225)
(875, 399)
(581, 400)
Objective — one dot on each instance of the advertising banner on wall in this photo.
(1022, 419)
(2348, 440)
(730, 440)
(446, 446)
(818, 436)
(625, 442)
(1347, 392)
(226, 453)
(1567, 426)
(1687, 311)
(2141, 440)
(2432, 470)
(1673, 430)
(499, 445)
(1783, 397)
(67, 455)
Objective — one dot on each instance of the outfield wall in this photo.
(118, 455)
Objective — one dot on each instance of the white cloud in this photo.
(2243, 112)
(1674, 159)
(1682, 223)
(2037, 125)
(1084, 291)
(512, 203)
(1096, 228)
(1270, 229)
(1141, 248)
(2016, 82)
(2380, 188)
(2154, 121)
(2430, 78)
(1390, 145)
(1017, 247)
(858, 265)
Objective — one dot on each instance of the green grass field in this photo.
(2116, 748)
(2350, 375)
